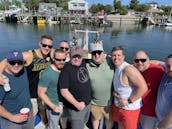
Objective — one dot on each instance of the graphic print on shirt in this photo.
(82, 75)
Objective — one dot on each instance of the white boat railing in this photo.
(85, 43)
(86, 37)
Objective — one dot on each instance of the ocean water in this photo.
(155, 40)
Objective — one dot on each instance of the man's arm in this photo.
(3, 65)
(70, 98)
(18, 118)
(28, 57)
(46, 99)
(131, 76)
(166, 122)
(157, 62)
(136, 79)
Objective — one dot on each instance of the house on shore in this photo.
(78, 7)
(49, 8)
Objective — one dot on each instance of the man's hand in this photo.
(80, 105)
(2, 77)
(18, 118)
(70, 98)
(57, 109)
(122, 102)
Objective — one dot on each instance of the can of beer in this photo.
(6, 85)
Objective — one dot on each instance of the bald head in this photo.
(141, 60)
(141, 54)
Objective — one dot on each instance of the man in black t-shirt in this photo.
(75, 87)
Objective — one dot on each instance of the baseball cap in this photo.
(76, 50)
(96, 46)
(15, 55)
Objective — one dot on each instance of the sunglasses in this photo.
(96, 52)
(64, 48)
(59, 60)
(76, 56)
(16, 62)
(137, 60)
(45, 45)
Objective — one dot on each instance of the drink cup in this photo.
(6, 85)
(25, 111)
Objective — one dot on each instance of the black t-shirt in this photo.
(77, 81)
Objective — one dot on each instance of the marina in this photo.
(48, 13)
(12, 16)
(21, 29)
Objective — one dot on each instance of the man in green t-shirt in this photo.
(101, 72)
(48, 87)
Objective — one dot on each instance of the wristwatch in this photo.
(129, 101)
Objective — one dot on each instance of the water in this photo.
(156, 41)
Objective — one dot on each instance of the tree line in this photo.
(117, 7)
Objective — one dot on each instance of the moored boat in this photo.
(13, 9)
(41, 21)
(169, 23)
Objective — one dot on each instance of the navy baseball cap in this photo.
(15, 56)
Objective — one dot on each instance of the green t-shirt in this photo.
(101, 82)
(49, 79)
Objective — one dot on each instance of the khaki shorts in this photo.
(99, 111)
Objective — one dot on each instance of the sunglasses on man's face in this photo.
(59, 60)
(96, 52)
(45, 45)
(76, 56)
(139, 60)
(16, 62)
(64, 48)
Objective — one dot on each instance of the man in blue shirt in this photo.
(18, 97)
(164, 99)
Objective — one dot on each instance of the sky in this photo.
(126, 2)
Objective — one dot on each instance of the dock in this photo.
(59, 18)
(129, 19)
(156, 20)
(37, 18)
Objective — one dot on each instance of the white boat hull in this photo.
(168, 24)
